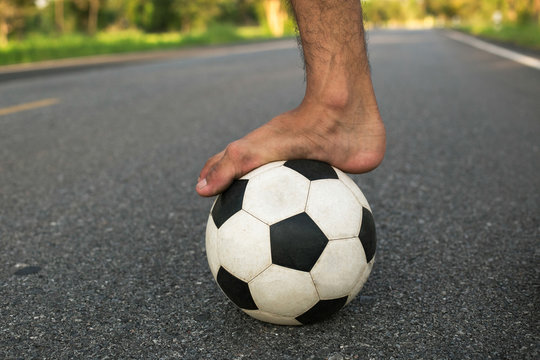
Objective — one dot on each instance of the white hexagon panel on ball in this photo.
(363, 278)
(244, 246)
(212, 246)
(354, 188)
(283, 291)
(262, 169)
(272, 318)
(275, 195)
(339, 268)
(334, 209)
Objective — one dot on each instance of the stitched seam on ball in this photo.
(259, 273)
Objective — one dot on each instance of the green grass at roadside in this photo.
(526, 35)
(40, 47)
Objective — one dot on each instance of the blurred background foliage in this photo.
(447, 12)
(33, 30)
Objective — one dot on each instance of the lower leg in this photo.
(338, 120)
(337, 68)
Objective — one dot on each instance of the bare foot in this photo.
(338, 121)
(349, 136)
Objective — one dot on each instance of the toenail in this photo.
(201, 183)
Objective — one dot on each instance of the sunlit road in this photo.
(102, 235)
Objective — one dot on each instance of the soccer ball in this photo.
(291, 242)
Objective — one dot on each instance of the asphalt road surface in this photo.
(102, 234)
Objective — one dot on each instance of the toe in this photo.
(209, 164)
(220, 171)
(218, 177)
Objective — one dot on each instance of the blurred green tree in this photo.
(21, 17)
(92, 8)
(380, 12)
(194, 14)
(150, 16)
(59, 15)
(240, 12)
(12, 15)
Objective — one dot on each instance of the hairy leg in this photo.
(338, 120)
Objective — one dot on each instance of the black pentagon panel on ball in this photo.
(312, 169)
(235, 289)
(367, 234)
(229, 202)
(296, 242)
(322, 310)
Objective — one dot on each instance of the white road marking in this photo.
(494, 49)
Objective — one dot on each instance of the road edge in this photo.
(494, 49)
(50, 67)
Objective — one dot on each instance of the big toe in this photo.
(210, 164)
(217, 178)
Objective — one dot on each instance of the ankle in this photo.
(343, 105)
(343, 94)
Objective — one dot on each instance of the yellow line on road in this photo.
(28, 106)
